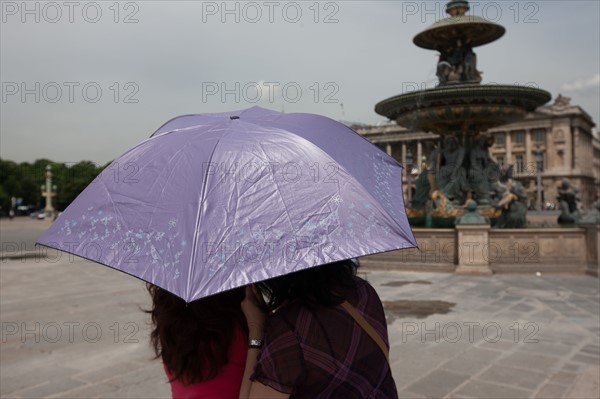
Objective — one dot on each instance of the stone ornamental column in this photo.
(592, 237)
(591, 224)
(48, 191)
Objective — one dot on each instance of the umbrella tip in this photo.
(234, 117)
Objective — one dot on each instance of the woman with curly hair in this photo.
(202, 344)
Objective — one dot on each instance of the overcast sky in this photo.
(79, 83)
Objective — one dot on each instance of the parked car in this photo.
(39, 215)
(24, 210)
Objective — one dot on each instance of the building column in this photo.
(528, 149)
(508, 144)
(419, 155)
(574, 141)
(388, 149)
(404, 178)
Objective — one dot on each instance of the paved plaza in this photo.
(75, 329)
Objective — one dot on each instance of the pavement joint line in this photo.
(541, 387)
(481, 371)
(29, 387)
(487, 382)
(552, 369)
(60, 394)
(109, 378)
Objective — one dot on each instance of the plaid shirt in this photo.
(324, 353)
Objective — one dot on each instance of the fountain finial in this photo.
(457, 8)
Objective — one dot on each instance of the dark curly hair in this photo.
(312, 287)
(193, 339)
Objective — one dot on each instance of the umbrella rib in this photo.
(169, 121)
(377, 201)
(151, 218)
(200, 204)
(116, 208)
(287, 213)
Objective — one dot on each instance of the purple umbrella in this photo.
(216, 201)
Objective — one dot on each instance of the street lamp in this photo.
(538, 160)
(409, 161)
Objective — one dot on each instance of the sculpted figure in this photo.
(471, 74)
(443, 207)
(513, 205)
(443, 70)
(500, 186)
(567, 199)
(451, 177)
(482, 167)
(451, 63)
(422, 188)
(593, 215)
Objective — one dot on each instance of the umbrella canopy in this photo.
(213, 202)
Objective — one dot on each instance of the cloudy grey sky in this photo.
(87, 80)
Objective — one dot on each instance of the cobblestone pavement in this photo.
(74, 329)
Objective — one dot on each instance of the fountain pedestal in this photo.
(591, 224)
(473, 242)
(473, 245)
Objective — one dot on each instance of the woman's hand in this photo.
(254, 309)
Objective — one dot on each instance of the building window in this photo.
(500, 162)
(561, 157)
(519, 137)
(539, 135)
(540, 163)
(499, 139)
(519, 164)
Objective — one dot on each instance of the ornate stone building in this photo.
(565, 134)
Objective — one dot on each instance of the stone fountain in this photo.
(460, 109)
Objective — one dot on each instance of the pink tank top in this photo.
(227, 384)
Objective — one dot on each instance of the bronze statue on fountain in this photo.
(510, 198)
(459, 109)
(455, 175)
(458, 63)
(568, 199)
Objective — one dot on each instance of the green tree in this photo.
(24, 180)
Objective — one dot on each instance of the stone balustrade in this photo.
(479, 250)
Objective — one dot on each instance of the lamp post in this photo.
(409, 161)
(538, 160)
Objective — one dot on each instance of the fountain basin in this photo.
(479, 30)
(462, 107)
